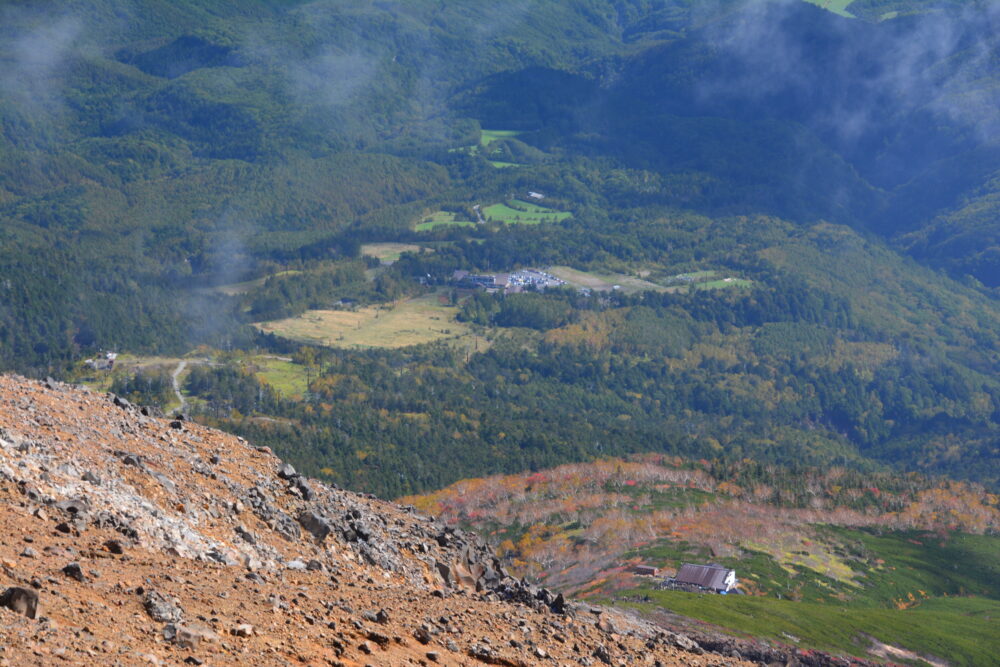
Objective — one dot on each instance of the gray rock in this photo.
(319, 527)
(20, 600)
(246, 535)
(303, 488)
(74, 571)
(687, 644)
(74, 506)
(187, 636)
(242, 630)
(286, 471)
(161, 609)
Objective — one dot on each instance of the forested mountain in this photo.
(837, 173)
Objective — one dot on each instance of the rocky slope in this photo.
(132, 539)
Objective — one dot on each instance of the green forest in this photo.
(172, 175)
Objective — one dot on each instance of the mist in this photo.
(851, 78)
(38, 49)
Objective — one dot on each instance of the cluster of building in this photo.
(696, 578)
(509, 283)
(105, 364)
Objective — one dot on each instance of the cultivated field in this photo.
(835, 6)
(409, 322)
(724, 283)
(522, 212)
(287, 377)
(604, 282)
(441, 218)
(487, 137)
(387, 253)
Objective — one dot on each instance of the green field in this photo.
(408, 322)
(907, 592)
(388, 253)
(953, 630)
(724, 283)
(521, 212)
(441, 218)
(836, 6)
(287, 377)
(487, 137)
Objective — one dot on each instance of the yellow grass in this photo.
(604, 281)
(409, 322)
(388, 253)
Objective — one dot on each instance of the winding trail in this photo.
(177, 385)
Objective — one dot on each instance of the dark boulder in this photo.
(74, 571)
(319, 527)
(20, 600)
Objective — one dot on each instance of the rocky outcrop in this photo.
(137, 540)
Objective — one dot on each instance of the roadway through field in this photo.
(177, 385)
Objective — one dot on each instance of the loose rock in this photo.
(21, 600)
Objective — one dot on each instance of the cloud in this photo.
(852, 75)
(39, 48)
(332, 78)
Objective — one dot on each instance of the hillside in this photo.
(151, 148)
(826, 558)
(156, 160)
(748, 337)
(607, 281)
(148, 541)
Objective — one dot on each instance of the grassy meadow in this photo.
(287, 377)
(415, 321)
(522, 212)
(952, 631)
(487, 137)
(603, 282)
(441, 218)
(838, 7)
(388, 253)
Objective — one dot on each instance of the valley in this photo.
(610, 283)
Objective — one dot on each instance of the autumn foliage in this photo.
(569, 523)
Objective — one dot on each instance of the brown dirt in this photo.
(176, 508)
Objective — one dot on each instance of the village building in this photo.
(709, 577)
(105, 364)
(646, 570)
(510, 283)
